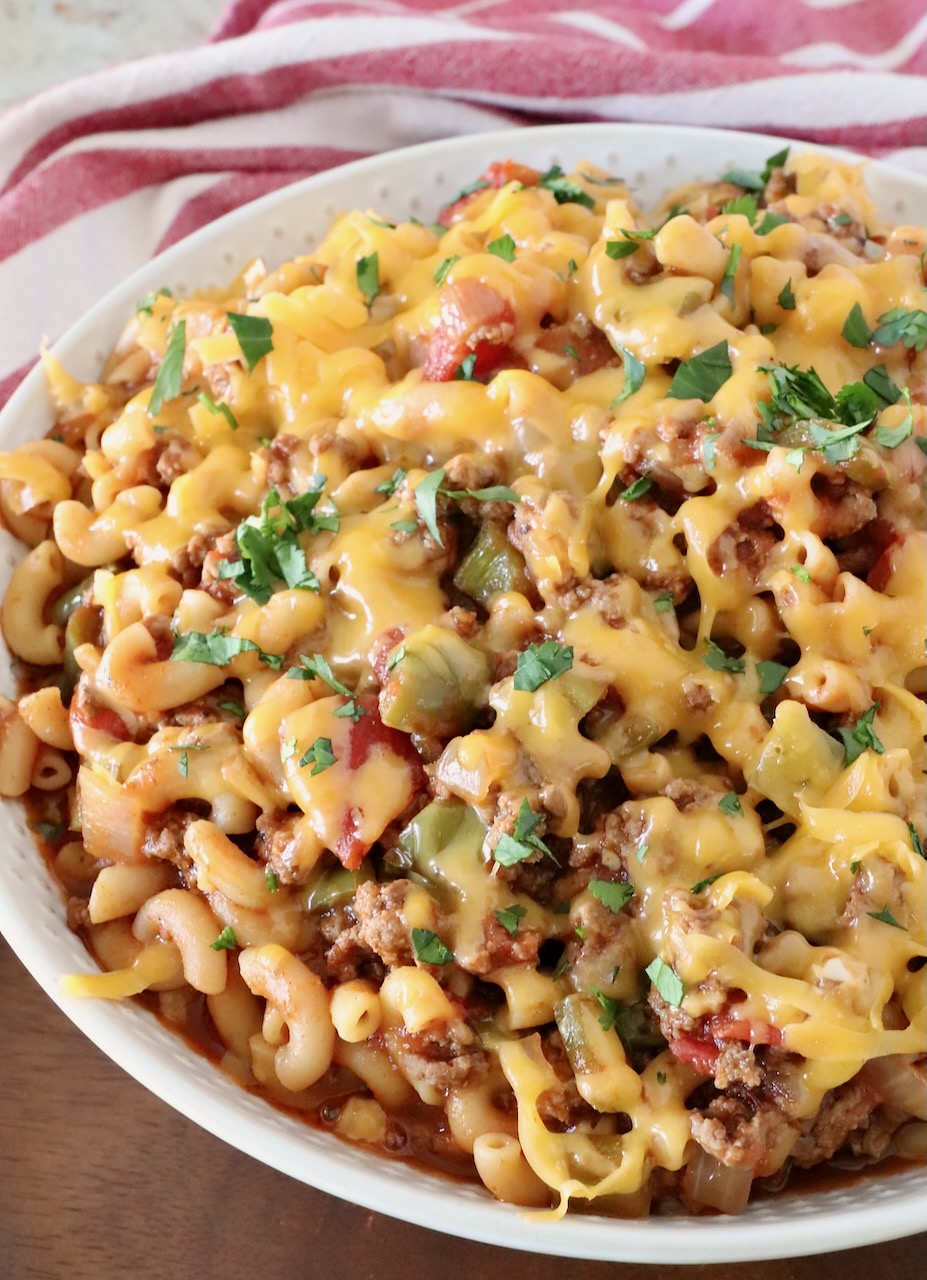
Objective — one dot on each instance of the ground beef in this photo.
(187, 563)
(442, 1056)
(873, 1140)
(205, 710)
(275, 846)
(500, 949)
(843, 507)
(177, 457)
(601, 943)
(222, 548)
(843, 1112)
(163, 839)
(469, 471)
(696, 696)
(610, 598)
(380, 923)
(742, 1132)
(561, 1108)
(737, 1065)
(347, 956)
(746, 543)
(78, 914)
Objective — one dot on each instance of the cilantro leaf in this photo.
(368, 277)
(771, 676)
(664, 603)
(753, 180)
(426, 502)
(613, 895)
(540, 663)
(730, 804)
(145, 306)
(510, 917)
(917, 843)
(503, 248)
(390, 486)
(703, 376)
(272, 880)
(769, 222)
(798, 393)
(641, 852)
(464, 371)
(523, 843)
(218, 408)
(666, 981)
(730, 273)
(745, 204)
(899, 325)
(268, 546)
(319, 755)
(218, 648)
(855, 330)
(618, 249)
(861, 737)
(183, 764)
(887, 918)
(405, 526)
(564, 191)
(877, 380)
(226, 940)
(701, 885)
(396, 657)
(232, 707)
(637, 490)
(610, 1007)
(52, 831)
(170, 375)
(441, 270)
(634, 373)
(317, 667)
(718, 660)
(255, 336)
(429, 948)
(786, 297)
(709, 450)
(800, 572)
(892, 437)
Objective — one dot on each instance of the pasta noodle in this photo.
(474, 676)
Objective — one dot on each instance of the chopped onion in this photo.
(910, 1142)
(709, 1183)
(899, 1082)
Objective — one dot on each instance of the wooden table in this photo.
(99, 1180)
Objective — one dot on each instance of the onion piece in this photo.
(900, 1081)
(707, 1183)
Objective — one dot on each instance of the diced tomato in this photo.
(883, 570)
(370, 732)
(700, 1054)
(350, 850)
(497, 175)
(587, 350)
(475, 320)
(105, 720)
(726, 1027)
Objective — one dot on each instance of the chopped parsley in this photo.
(664, 603)
(730, 273)
(523, 843)
(917, 843)
(170, 375)
(703, 376)
(641, 852)
(571, 352)
(892, 437)
(855, 330)
(390, 486)
(426, 498)
(289, 749)
(368, 277)
(745, 204)
(441, 270)
(800, 572)
(429, 948)
(666, 981)
(786, 297)
(145, 306)
(637, 490)
(767, 329)
(563, 968)
(219, 407)
(862, 736)
(272, 881)
(232, 708)
(661, 1077)
(317, 667)
(464, 371)
(769, 222)
(540, 663)
(709, 450)
(634, 373)
(510, 917)
(52, 831)
(218, 648)
(730, 804)
(503, 248)
(564, 191)
(396, 657)
(610, 1006)
(404, 526)
(319, 755)
(613, 895)
(887, 918)
(268, 544)
(771, 676)
(183, 764)
(877, 380)
(226, 940)
(899, 325)
(255, 336)
(618, 249)
(718, 660)
(701, 885)
(756, 180)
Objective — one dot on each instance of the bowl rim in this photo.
(176, 1073)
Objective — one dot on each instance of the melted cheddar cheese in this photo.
(536, 600)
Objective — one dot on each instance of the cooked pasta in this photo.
(474, 675)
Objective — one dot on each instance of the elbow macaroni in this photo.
(495, 707)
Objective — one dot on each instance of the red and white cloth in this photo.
(99, 174)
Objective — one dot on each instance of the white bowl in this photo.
(32, 918)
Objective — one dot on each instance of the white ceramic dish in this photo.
(32, 918)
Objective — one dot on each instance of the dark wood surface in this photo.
(99, 1180)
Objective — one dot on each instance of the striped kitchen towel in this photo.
(130, 159)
